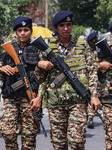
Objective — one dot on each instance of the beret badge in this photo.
(68, 19)
(23, 23)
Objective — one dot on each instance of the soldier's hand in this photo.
(105, 65)
(95, 104)
(46, 65)
(35, 104)
(8, 70)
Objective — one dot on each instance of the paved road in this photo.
(95, 137)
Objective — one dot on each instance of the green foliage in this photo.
(53, 9)
(92, 13)
(8, 12)
(104, 15)
(77, 31)
(84, 10)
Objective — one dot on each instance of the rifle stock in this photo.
(8, 47)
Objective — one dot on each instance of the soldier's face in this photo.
(64, 29)
(24, 34)
(95, 40)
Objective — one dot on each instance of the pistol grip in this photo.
(16, 69)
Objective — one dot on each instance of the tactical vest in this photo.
(29, 56)
(80, 44)
(76, 61)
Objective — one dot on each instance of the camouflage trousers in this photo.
(67, 126)
(90, 112)
(15, 111)
(107, 114)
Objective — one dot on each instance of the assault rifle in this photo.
(103, 48)
(63, 67)
(9, 48)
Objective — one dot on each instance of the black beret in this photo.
(110, 26)
(91, 36)
(55, 33)
(62, 16)
(22, 22)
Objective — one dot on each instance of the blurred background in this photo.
(89, 15)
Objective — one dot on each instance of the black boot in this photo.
(90, 123)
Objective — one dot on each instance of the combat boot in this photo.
(90, 123)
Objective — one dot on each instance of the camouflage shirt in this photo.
(81, 63)
(105, 81)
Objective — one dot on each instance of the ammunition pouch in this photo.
(58, 80)
(61, 78)
(30, 55)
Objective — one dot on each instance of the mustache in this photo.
(23, 37)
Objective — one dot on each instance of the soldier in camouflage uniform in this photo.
(67, 109)
(16, 103)
(104, 87)
(105, 77)
(91, 39)
(81, 45)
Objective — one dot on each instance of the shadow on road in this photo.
(47, 131)
(89, 135)
(97, 124)
(0, 136)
